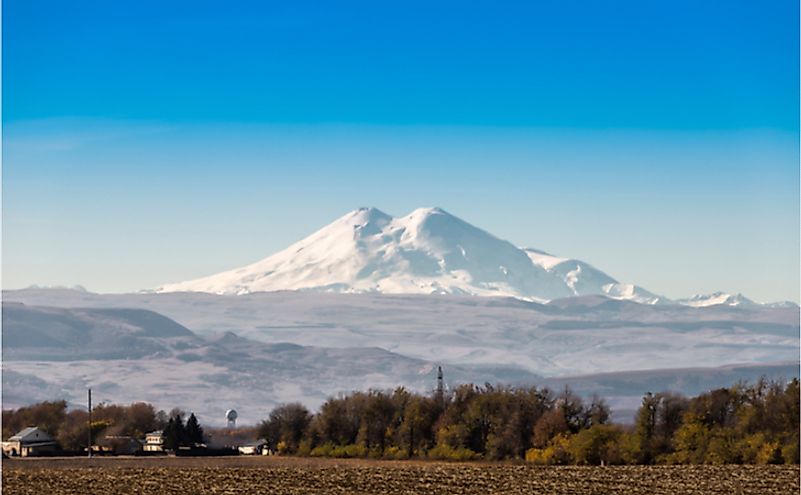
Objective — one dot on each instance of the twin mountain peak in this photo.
(428, 251)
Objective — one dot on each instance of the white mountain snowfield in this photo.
(428, 251)
(736, 300)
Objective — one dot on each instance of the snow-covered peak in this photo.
(429, 211)
(367, 215)
(364, 221)
(718, 298)
(428, 251)
(781, 304)
(584, 279)
(631, 292)
(438, 224)
(543, 259)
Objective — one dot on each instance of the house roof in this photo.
(27, 431)
(32, 434)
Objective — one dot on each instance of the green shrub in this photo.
(396, 453)
(339, 451)
(790, 452)
(324, 450)
(597, 445)
(447, 453)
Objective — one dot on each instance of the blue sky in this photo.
(146, 143)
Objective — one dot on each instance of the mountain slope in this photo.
(718, 298)
(584, 279)
(426, 252)
(128, 355)
(44, 333)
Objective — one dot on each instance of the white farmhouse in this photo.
(154, 441)
(30, 442)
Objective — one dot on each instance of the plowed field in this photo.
(300, 476)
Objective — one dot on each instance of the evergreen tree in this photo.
(168, 435)
(174, 433)
(194, 433)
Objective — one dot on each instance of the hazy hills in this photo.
(133, 354)
(210, 352)
(569, 336)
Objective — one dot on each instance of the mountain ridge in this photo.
(428, 251)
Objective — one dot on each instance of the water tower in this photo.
(230, 416)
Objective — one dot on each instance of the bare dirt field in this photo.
(299, 476)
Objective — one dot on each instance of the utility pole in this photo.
(89, 450)
(440, 387)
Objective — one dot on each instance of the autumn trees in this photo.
(49, 416)
(285, 427)
(473, 422)
(741, 424)
(756, 424)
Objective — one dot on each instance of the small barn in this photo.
(30, 442)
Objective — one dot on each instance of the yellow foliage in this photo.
(769, 453)
(790, 452)
(396, 453)
(556, 453)
(343, 451)
(445, 452)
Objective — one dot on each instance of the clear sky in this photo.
(150, 142)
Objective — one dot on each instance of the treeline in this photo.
(742, 424)
(71, 428)
(756, 424)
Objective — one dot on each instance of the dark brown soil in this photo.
(237, 475)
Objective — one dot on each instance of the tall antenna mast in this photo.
(90, 424)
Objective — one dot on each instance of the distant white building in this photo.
(253, 448)
(30, 442)
(154, 442)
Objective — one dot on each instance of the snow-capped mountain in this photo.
(717, 298)
(428, 251)
(725, 299)
(584, 279)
